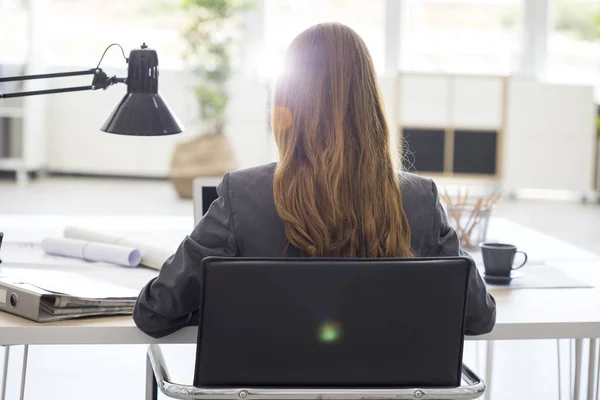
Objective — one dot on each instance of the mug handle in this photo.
(524, 261)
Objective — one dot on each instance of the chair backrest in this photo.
(332, 322)
(204, 192)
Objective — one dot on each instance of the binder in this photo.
(44, 296)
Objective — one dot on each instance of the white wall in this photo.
(247, 120)
(76, 144)
(550, 137)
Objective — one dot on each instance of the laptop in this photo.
(204, 192)
(302, 322)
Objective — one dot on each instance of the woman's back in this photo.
(259, 231)
(335, 191)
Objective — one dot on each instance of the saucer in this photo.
(502, 280)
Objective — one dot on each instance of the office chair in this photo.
(328, 328)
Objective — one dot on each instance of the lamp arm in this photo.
(100, 81)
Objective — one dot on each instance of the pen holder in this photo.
(470, 223)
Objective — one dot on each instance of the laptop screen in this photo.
(204, 193)
(209, 194)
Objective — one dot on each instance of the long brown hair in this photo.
(336, 186)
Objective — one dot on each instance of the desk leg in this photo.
(24, 371)
(571, 355)
(5, 372)
(151, 385)
(592, 369)
(559, 380)
(489, 359)
(598, 376)
(577, 385)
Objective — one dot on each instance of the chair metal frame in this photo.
(158, 378)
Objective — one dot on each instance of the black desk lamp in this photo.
(142, 112)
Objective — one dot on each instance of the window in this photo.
(284, 19)
(461, 36)
(82, 29)
(574, 43)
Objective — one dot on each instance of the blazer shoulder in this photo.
(252, 182)
(254, 174)
(416, 187)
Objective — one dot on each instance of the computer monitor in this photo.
(204, 193)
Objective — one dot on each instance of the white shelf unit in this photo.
(545, 133)
(11, 127)
(11, 163)
(28, 114)
(23, 137)
(11, 112)
(598, 168)
(452, 124)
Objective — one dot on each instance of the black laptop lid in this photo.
(332, 322)
(209, 194)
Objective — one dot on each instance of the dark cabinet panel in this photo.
(423, 150)
(475, 152)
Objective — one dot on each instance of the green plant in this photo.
(578, 19)
(213, 26)
(510, 17)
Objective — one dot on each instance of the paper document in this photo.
(91, 251)
(152, 256)
(541, 277)
(50, 309)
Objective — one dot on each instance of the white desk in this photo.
(522, 314)
(169, 231)
(538, 246)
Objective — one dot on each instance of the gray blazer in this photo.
(243, 222)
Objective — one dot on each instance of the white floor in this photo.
(523, 370)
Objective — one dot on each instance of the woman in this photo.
(334, 193)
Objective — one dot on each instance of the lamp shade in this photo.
(142, 112)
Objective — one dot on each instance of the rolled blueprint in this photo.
(152, 256)
(93, 251)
